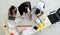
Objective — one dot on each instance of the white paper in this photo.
(18, 20)
(11, 24)
(27, 31)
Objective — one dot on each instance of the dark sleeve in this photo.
(44, 5)
(21, 9)
(30, 6)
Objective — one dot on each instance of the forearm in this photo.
(30, 16)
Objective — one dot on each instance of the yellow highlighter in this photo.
(40, 25)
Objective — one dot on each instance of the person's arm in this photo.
(30, 16)
(9, 14)
(31, 13)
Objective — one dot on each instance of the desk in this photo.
(8, 33)
(26, 21)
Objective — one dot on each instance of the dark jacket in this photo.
(22, 8)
